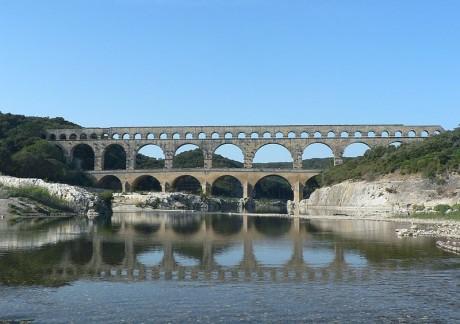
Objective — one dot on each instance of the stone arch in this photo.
(73, 137)
(228, 156)
(116, 136)
(146, 183)
(310, 186)
(151, 136)
(254, 135)
(105, 136)
(385, 134)
(62, 137)
(371, 134)
(398, 133)
(318, 155)
(126, 136)
(228, 135)
(188, 136)
(52, 137)
(163, 136)
(279, 135)
(202, 135)
(357, 134)
(411, 133)
(273, 187)
(83, 136)
(83, 157)
(188, 156)
(267, 135)
(304, 135)
(110, 182)
(424, 133)
(150, 156)
(138, 136)
(263, 156)
(356, 149)
(292, 135)
(317, 134)
(187, 183)
(114, 157)
(227, 186)
(93, 136)
(242, 135)
(176, 136)
(331, 134)
(215, 135)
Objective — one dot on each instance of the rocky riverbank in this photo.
(390, 195)
(73, 198)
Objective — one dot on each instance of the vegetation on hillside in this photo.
(431, 158)
(24, 152)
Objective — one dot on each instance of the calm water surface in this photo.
(177, 267)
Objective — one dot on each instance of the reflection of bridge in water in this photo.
(100, 143)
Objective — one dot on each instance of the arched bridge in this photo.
(249, 139)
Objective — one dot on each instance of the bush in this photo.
(40, 195)
(441, 208)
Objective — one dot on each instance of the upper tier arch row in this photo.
(243, 132)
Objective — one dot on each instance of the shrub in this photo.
(40, 195)
(442, 208)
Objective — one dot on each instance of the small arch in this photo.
(241, 135)
(273, 156)
(188, 136)
(150, 157)
(395, 144)
(371, 134)
(254, 135)
(105, 136)
(126, 136)
(356, 149)
(227, 186)
(163, 136)
(398, 134)
(151, 136)
(330, 134)
(437, 132)
(292, 135)
(267, 135)
(188, 156)
(83, 136)
(62, 137)
(317, 135)
(317, 156)
(344, 134)
(273, 187)
(187, 184)
(202, 135)
(116, 136)
(304, 135)
(114, 157)
(83, 157)
(424, 133)
(215, 135)
(138, 136)
(358, 134)
(146, 183)
(385, 134)
(228, 135)
(411, 133)
(73, 137)
(52, 137)
(228, 156)
(279, 135)
(176, 136)
(93, 136)
(110, 182)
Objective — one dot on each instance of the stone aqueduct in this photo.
(209, 138)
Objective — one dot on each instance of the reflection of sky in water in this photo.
(319, 257)
(230, 257)
(151, 258)
(185, 261)
(273, 252)
(355, 260)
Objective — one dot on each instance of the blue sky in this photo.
(217, 62)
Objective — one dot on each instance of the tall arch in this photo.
(114, 157)
(110, 182)
(146, 183)
(355, 150)
(228, 156)
(227, 186)
(150, 156)
(83, 157)
(273, 187)
(273, 156)
(188, 184)
(188, 156)
(317, 156)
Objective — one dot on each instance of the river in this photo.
(201, 267)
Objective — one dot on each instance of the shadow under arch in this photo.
(227, 186)
(188, 156)
(187, 184)
(272, 226)
(146, 183)
(273, 187)
(113, 253)
(83, 157)
(146, 229)
(263, 157)
(110, 182)
(114, 157)
(81, 251)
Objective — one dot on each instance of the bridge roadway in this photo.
(248, 178)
